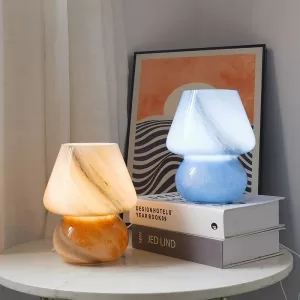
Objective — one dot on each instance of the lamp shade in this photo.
(89, 180)
(210, 122)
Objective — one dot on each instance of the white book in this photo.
(171, 212)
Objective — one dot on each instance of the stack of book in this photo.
(216, 235)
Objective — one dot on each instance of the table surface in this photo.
(33, 268)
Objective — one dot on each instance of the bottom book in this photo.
(217, 253)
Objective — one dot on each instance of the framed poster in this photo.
(159, 79)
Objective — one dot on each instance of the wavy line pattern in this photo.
(154, 166)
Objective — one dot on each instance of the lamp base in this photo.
(211, 179)
(90, 240)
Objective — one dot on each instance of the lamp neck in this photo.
(210, 157)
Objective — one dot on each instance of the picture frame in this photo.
(159, 77)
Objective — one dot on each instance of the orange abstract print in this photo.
(160, 77)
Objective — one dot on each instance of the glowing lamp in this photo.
(210, 130)
(90, 186)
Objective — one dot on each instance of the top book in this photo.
(171, 212)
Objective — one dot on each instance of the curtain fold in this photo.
(57, 82)
(23, 124)
(57, 88)
(63, 78)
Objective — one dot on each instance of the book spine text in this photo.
(178, 245)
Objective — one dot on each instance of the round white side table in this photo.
(33, 268)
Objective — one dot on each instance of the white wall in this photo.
(277, 24)
(160, 24)
(170, 24)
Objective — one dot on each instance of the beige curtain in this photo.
(63, 78)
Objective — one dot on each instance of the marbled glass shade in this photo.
(210, 130)
(89, 186)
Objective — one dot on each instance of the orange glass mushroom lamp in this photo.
(90, 186)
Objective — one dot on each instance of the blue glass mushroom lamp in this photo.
(210, 130)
